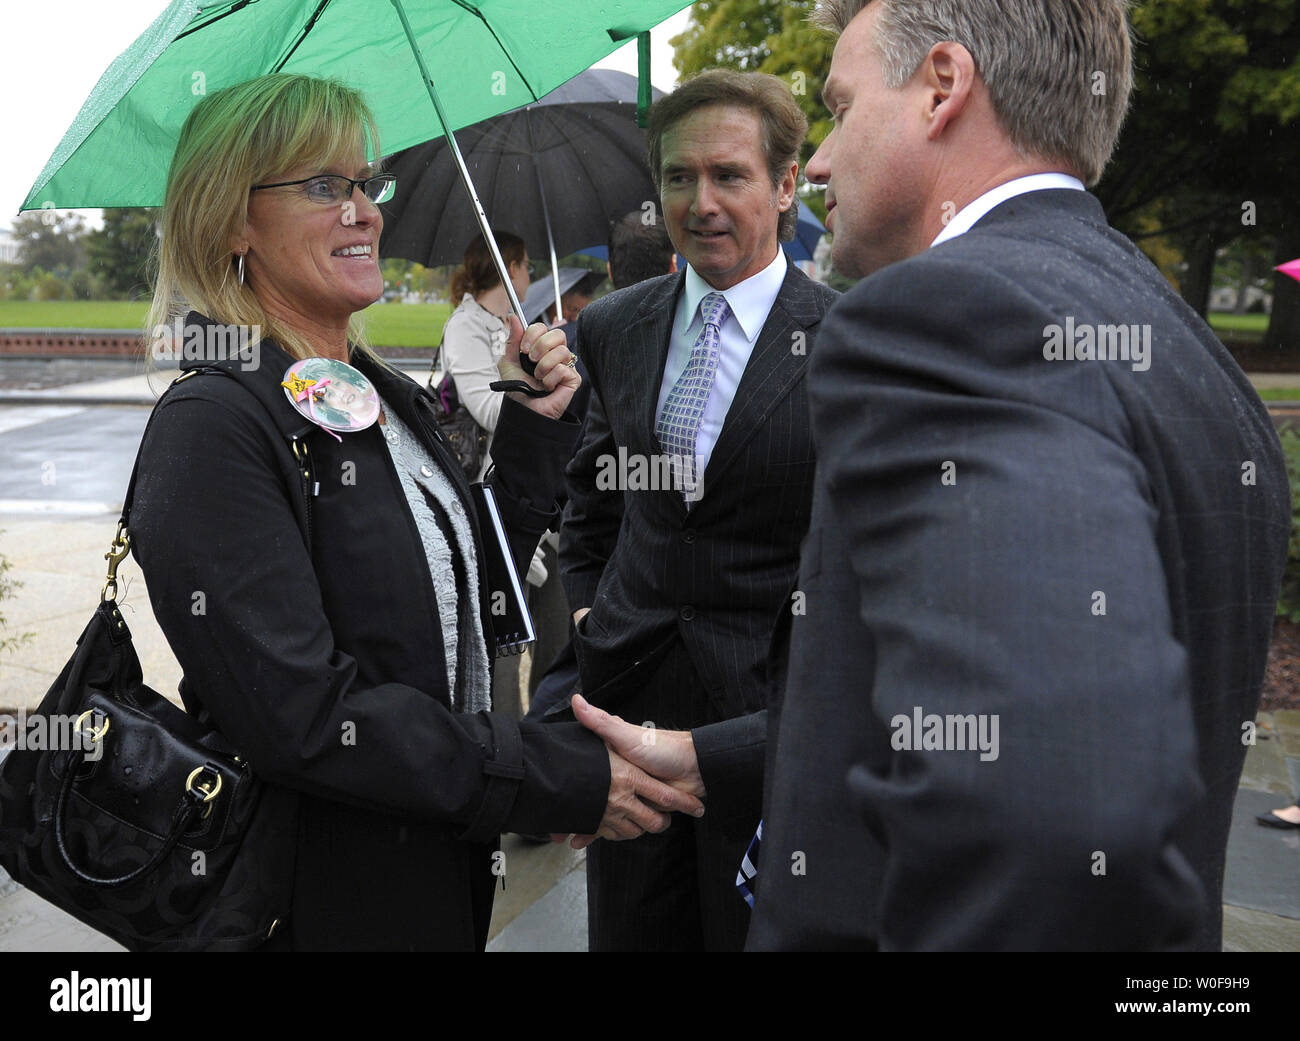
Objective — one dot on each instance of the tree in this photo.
(1212, 137)
(771, 36)
(119, 253)
(51, 240)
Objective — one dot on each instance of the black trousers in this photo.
(675, 891)
(550, 610)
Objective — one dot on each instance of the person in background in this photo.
(1287, 817)
(572, 303)
(474, 338)
(473, 342)
(639, 248)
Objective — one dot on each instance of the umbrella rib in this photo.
(504, 50)
(301, 36)
(238, 6)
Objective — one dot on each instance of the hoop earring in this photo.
(241, 269)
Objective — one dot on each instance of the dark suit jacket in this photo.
(713, 575)
(1103, 821)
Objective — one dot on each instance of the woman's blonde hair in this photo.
(236, 137)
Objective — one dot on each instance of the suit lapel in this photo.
(776, 364)
(646, 353)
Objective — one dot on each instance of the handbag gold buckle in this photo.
(207, 789)
(117, 551)
(96, 733)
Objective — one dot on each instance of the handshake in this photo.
(652, 773)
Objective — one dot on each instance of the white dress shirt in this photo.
(970, 214)
(750, 301)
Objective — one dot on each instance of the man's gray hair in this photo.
(1059, 72)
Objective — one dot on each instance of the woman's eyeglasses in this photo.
(335, 188)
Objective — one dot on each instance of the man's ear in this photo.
(948, 81)
(785, 190)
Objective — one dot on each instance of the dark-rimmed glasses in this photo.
(335, 188)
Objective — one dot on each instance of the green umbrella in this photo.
(488, 57)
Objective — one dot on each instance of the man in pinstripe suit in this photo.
(676, 589)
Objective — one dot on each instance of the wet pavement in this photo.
(45, 373)
(67, 459)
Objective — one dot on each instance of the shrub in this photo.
(7, 588)
(51, 287)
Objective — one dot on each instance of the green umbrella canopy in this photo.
(485, 57)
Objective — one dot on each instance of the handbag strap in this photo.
(294, 435)
(121, 544)
(192, 803)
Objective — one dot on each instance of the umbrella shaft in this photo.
(550, 239)
(488, 237)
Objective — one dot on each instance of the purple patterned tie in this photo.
(678, 425)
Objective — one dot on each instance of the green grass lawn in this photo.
(72, 314)
(406, 325)
(1280, 393)
(1239, 328)
(1239, 323)
(387, 325)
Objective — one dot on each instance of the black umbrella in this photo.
(556, 173)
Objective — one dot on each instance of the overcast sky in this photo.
(55, 52)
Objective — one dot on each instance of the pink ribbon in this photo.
(311, 407)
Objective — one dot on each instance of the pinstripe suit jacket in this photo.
(712, 573)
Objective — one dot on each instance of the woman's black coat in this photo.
(323, 664)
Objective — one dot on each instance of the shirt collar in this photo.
(972, 213)
(750, 300)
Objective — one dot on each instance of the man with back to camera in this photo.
(1049, 523)
(684, 579)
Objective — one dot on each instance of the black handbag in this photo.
(468, 440)
(143, 823)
